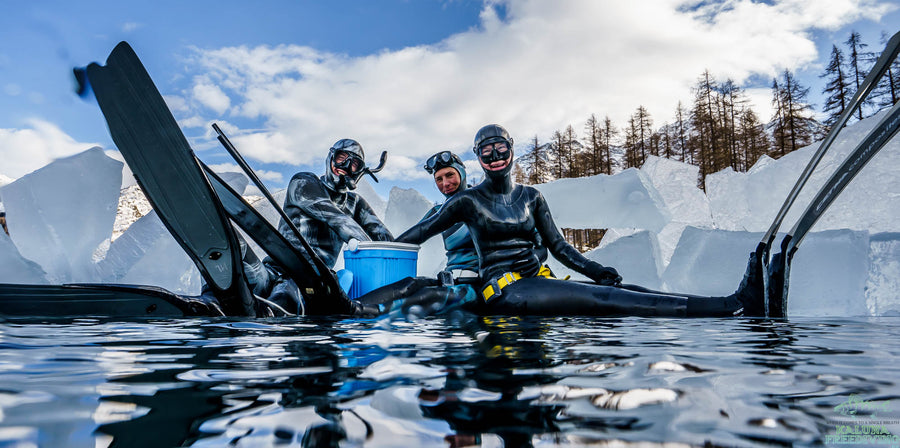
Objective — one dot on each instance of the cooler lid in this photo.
(355, 245)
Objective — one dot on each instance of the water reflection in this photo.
(459, 381)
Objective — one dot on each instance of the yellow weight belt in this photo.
(509, 278)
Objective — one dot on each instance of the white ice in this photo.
(16, 268)
(405, 207)
(627, 199)
(664, 232)
(59, 215)
(147, 254)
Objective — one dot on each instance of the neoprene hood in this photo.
(343, 183)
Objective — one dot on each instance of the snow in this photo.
(663, 231)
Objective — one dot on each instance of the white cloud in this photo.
(212, 97)
(272, 176)
(128, 27)
(543, 66)
(26, 150)
(12, 89)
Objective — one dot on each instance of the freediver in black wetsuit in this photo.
(434, 295)
(326, 210)
(502, 216)
(327, 213)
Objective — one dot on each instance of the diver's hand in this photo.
(604, 275)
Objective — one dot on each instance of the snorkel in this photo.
(352, 165)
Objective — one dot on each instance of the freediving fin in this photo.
(164, 166)
(321, 292)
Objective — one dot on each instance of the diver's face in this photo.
(447, 180)
(345, 163)
(495, 156)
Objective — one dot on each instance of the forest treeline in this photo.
(717, 129)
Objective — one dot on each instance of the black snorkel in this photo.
(372, 171)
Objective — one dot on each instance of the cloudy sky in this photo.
(287, 78)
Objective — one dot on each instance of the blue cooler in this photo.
(378, 263)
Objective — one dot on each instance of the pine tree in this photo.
(667, 142)
(798, 123)
(609, 133)
(594, 144)
(779, 133)
(888, 91)
(856, 71)
(681, 132)
(703, 117)
(632, 151)
(519, 174)
(534, 162)
(754, 142)
(575, 154)
(731, 103)
(836, 89)
(644, 128)
(559, 153)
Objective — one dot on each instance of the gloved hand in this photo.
(603, 275)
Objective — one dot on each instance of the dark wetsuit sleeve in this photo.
(373, 226)
(428, 227)
(431, 212)
(309, 196)
(554, 241)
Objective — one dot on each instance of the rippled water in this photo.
(450, 382)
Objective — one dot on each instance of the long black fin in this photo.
(322, 293)
(107, 300)
(164, 166)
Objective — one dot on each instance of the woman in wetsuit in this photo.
(502, 217)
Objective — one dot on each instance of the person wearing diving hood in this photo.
(326, 210)
(502, 217)
(433, 295)
(327, 213)
(450, 178)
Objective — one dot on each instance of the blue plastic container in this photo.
(378, 263)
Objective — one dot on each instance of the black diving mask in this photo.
(498, 151)
(440, 160)
(351, 163)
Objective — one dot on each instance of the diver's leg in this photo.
(434, 299)
(697, 306)
(748, 300)
(257, 274)
(400, 289)
(550, 297)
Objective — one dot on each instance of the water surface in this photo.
(453, 381)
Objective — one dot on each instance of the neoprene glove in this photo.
(603, 275)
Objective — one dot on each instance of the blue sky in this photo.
(286, 79)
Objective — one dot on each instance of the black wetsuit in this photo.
(502, 216)
(328, 218)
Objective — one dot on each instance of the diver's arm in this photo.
(564, 252)
(431, 212)
(307, 194)
(373, 226)
(430, 226)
